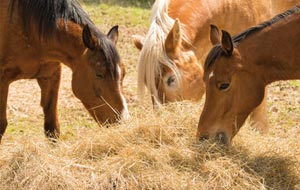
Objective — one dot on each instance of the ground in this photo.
(154, 149)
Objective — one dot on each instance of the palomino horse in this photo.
(36, 35)
(280, 6)
(237, 71)
(168, 63)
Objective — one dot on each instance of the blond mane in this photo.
(153, 52)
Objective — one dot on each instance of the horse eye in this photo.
(171, 80)
(223, 86)
(100, 76)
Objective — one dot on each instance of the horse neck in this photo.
(197, 16)
(192, 17)
(66, 45)
(272, 53)
(281, 6)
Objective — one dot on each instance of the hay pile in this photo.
(153, 150)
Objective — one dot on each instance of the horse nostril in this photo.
(203, 138)
(221, 137)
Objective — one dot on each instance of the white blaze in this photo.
(211, 75)
(124, 113)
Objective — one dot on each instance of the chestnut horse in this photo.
(179, 36)
(37, 35)
(238, 69)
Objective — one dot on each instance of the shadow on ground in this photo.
(277, 171)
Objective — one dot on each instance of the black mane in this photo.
(217, 51)
(44, 15)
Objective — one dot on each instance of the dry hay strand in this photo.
(153, 150)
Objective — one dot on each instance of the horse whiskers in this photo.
(95, 107)
(114, 110)
(101, 105)
(96, 118)
(235, 125)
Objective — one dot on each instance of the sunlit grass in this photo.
(117, 15)
(123, 3)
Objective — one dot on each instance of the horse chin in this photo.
(102, 115)
(217, 132)
(219, 137)
(105, 119)
(172, 98)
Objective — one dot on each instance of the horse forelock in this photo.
(214, 53)
(153, 53)
(109, 50)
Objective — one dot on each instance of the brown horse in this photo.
(37, 35)
(179, 36)
(238, 69)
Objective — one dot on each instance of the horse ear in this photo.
(173, 40)
(215, 37)
(138, 41)
(113, 34)
(227, 44)
(87, 38)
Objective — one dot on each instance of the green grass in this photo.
(117, 15)
(295, 84)
(124, 3)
